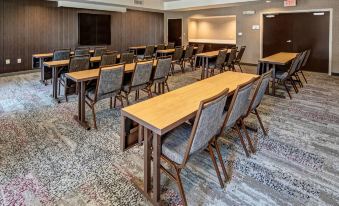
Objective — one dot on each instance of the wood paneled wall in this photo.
(38, 26)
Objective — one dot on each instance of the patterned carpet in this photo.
(47, 159)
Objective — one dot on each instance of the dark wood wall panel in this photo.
(38, 26)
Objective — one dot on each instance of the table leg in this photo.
(81, 117)
(156, 166)
(147, 160)
(55, 84)
(202, 68)
(41, 65)
(273, 84)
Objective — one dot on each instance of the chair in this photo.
(109, 86)
(149, 52)
(188, 57)
(298, 69)
(161, 47)
(140, 80)
(219, 63)
(231, 59)
(62, 54)
(77, 63)
(127, 58)
(99, 51)
(199, 51)
(185, 141)
(161, 73)
(257, 97)
(170, 45)
(177, 59)
(307, 58)
(108, 59)
(239, 57)
(81, 52)
(283, 77)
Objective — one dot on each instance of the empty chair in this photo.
(161, 47)
(304, 63)
(219, 63)
(257, 97)
(177, 59)
(185, 141)
(231, 59)
(62, 54)
(188, 57)
(81, 52)
(108, 59)
(140, 80)
(170, 45)
(237, 60)
(77, 63)
(199, 51)
(200, 48)
(99, 51)
(127, 58)
(109, 86)
(149, 52)
(298, 69)
(284, 77)
(161, 73)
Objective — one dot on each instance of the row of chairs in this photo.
(213, 119)
(150, 50)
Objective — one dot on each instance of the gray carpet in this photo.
(46, 158)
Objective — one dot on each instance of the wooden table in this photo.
(163, 113)
(282, 59)
(166, 52)
(206, 56)
(81, 78)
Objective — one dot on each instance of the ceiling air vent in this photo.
(139, 2)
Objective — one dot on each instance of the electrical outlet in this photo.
(19, 61)
(8, 61)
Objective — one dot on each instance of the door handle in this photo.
(289, 41)
(179, 37)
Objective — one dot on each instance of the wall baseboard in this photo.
(335, 74)
(20, 72)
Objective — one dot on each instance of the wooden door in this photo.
(305, 31)
(175, 31)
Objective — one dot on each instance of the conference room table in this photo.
(279, 59)
(155, 117)
(81, 78)
(166, 52)
(206, 57)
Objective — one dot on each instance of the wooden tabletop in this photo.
(166, 51)
(47, 55)
(91, 74)
(210, 54)
(281, 58)
(62, 63)
(167, 111)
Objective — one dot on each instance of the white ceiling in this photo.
(167, 5)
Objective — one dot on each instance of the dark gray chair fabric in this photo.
(170, 45)
(127, 58)
(149, 52)
(260, 90)
(108, 59)
(220, 62)
(239, 57)
(231, 59)
(99, 51)
(177, 59)
(161, 47)
(200, 48)
(163, 68)
(79, 63)
(82, 52)
(63, 54)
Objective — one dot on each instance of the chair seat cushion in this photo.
(126, 87)
(90, 91)
(175, 143)
(281, 75)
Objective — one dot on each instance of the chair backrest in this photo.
(259, 91)
(161, 47)
(110, 80)
(295, 63)
(108, 59)
(207, 124)
(307, 57)
(149, 51)
(99, 51)
(221, 59)
(170, 45)
(301, 60)
(142, 73)
(200, 48)
(240, 54)
(81, 51)
(239, 104)
(79, 63)
(163, 68)
(62, 54)
(189, 52)
(177, 53)
(232, 57)
(127, 58)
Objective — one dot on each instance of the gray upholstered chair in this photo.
(284, 77)
(99, 51)
(81, 52)
(185, 141)
(62, 54)
(127, 58)
(177, 59)
(306, 59)
(239, 57)
(257, 96)
(188, 57)
(149, 52)
(170, 45)
(141, 80)
(219, 63)
(108, 59)
(200, 48)
(161, 47)
(199, 51)
(299, 67)
(108, 86)
(77, 63)
(161, 73)
(231, 59)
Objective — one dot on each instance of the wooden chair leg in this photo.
(168, 89)
(217, 148)
(302, 73)
(240, 68)
(111, 103)
(215, 165)
(94, 116)
(288, 91)
(242, 140)
(181, 188)
(260, 122)
(247, 136)
(115, 102)
(65, 91)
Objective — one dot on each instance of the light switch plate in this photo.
(8, 61)
(19, 61)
